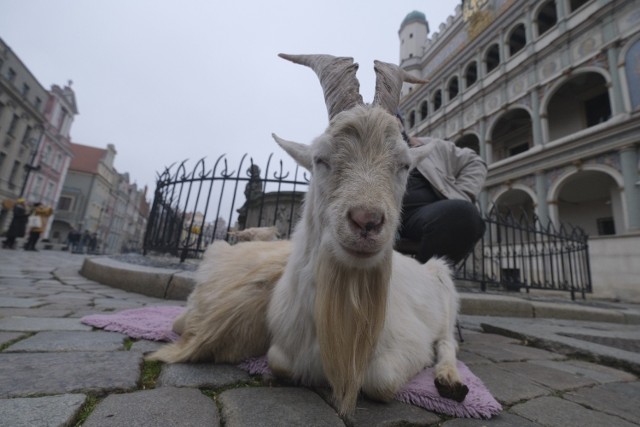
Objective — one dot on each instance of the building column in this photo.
(541, 191)
(528, 29)
(617, 106)
(562, 15)
(629, 164)
(536, 123)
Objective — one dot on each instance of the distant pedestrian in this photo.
(73, 240)
(34, 224)
(93, 243)
(18, 225)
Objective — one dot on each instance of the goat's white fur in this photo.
(253, 234)
(225, 317)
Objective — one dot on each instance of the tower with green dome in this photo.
(413, 35)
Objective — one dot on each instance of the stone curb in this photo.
(178, 284)
(149, 281)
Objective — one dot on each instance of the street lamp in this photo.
(29, 166)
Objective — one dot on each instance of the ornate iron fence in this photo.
(192, 208)
(522, 252)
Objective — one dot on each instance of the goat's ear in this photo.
(301, 153)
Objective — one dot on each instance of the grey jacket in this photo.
(456, 173)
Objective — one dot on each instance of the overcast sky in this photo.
(168, 80)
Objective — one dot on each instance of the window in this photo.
(576, 4)
(38, 103)
(471, 74)
(11, 75)
(453, 88)
(2, 157)
(65, 203)
(27, 135)
(437, 100)
(517, 149)
(25, 89)
(492, 57)
(424, 110)
(598, 109)
(14, 172)
(63, 115)
(412, 119)
(37, 187)
(606, 226)
(547, 17)
(46, 154)
(517, 39)
(50, 188)
(12, 126)
(58, 162)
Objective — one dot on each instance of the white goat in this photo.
(347, 310)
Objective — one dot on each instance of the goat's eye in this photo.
(320, 162)
(404, 167)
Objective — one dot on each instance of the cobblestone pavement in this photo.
(55, 371)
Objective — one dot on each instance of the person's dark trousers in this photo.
(33, 239)
(445, 228)
(9, 242)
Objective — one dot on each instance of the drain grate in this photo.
(619, 343)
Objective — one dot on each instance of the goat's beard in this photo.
(350, 309)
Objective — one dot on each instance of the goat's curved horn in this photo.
(389, 79)
(338, 79)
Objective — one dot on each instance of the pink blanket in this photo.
(154, 323)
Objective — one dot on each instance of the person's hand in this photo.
(414, 142)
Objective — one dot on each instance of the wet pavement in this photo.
(557, 367)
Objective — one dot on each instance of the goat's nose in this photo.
(367, 220)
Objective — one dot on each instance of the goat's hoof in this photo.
(456, 391)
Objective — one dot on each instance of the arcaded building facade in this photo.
(548, 92)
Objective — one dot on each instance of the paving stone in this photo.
(6, 337)
(369, 413)
(35, 312)
(471, 337)
(10, 302)
(555, 335)
(165, 406)
(507, 387)
(599, 373)
(504, 419)
(114, 304)
(471, 358)
(27, 374)
(40, 411)
(70, 341)
(621, 399)
(283, 406)
(510, 352)
(547, 376)
(556, 412)
(146, 346)
(202, 375)
(41, 324)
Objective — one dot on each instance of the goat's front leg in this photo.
(447, 377)
(279, 362)
(386, 374)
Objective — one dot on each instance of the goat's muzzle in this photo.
(364, 237)
(366, 221)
